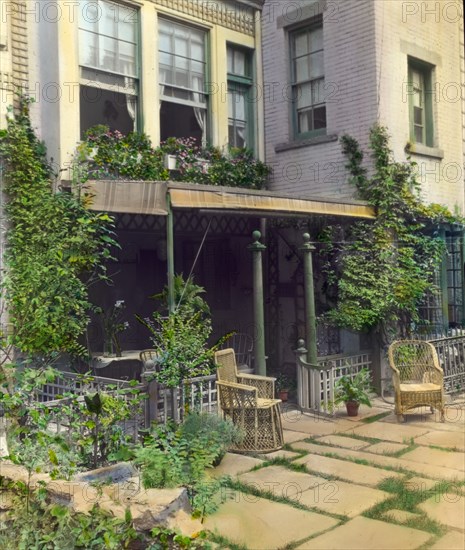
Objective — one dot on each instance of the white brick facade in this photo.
(367, 45)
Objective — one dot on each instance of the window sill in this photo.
(305, 143)
(424, 150)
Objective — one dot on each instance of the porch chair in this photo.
(248, 401)
(242, 344)
(418, 379)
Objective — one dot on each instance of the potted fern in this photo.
(353, 390)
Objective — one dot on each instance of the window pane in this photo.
(108, 52)
(319, 118)
(417, 116)
(239, 62)
(230, 56)
(88, 48)
(418, 134)
(301, 69)
(197, 51)
(127, 59)
(305, 121)
(316, 65)
(303, 95)
(318, 91)
(316, 39)
(301, 44)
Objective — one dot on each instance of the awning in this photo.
(128, 197)
(260, 202)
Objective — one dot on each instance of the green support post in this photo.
(259, 318)
(462, 271)
(310, 316)
(443, 280)
(170, 254)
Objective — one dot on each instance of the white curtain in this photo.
(199, 112)
(131, 100)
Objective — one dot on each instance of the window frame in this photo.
(308, 27)
(426, 72)
(206, 62)
(134, 86)
(243, 84)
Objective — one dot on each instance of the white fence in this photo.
(315, 383)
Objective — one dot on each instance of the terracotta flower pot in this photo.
(283, 395)
(352, 408)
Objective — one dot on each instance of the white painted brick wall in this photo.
(366, 65)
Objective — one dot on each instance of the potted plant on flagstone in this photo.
(353, 390)
(284, 384)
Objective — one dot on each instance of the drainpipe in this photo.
(310, 317)
(170, 253)
(257, 248)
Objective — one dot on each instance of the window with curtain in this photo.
(182, 70)
(308, 81)
(109, 68)
(240, 114)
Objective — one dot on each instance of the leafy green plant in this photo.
(182, 458)
(383, 269)
(111, 155)
(113, 324)
(354, 387)
(56, 248)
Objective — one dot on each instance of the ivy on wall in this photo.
(56, 247)
(382, 270)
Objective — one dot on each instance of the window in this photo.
(307, 67)
(239, 104)
(420, 103)
(182, 70)
(108, 59)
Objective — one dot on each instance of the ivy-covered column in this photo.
(259, 319)
(443, 279)
(170, 253)
(310, 316)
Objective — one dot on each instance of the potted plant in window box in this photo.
(353, 390)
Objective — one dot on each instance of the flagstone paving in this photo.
(368, 534)
(346, 442)
(437, 457)
(262, 524)
(450, 541)
(349, 471)
(338, 492)
(446, 507)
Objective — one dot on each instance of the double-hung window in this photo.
(308, 81)
(420, 103)
(240, 114)
(182, 70)
(109, 68)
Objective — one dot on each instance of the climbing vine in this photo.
(382, 270)
(55, 247)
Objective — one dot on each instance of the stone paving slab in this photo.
(451, 541)
(234, 464)
(262, 524)
(281, 454)
(339, 497)
(349, 471)
(455, 421)
(292, 437)
(447, 508)
(313, 425)
(386, 447)
(341, 441)
(281, 482)
(364, 412)
(399, 433)
(436, 457)
(444, 439)
(400, 515)
(384, 461)
(368, 534)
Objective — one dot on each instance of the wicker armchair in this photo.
(248, 401)
(417, 377)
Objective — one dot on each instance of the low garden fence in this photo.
(451, 354)
(315, 383)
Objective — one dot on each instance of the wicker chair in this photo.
(418, 379)
(242, 344)
(248, 401)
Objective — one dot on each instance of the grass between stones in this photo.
(237, 485)
(375, 418)
(404, 498)
(371, 440)
(223, 543)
